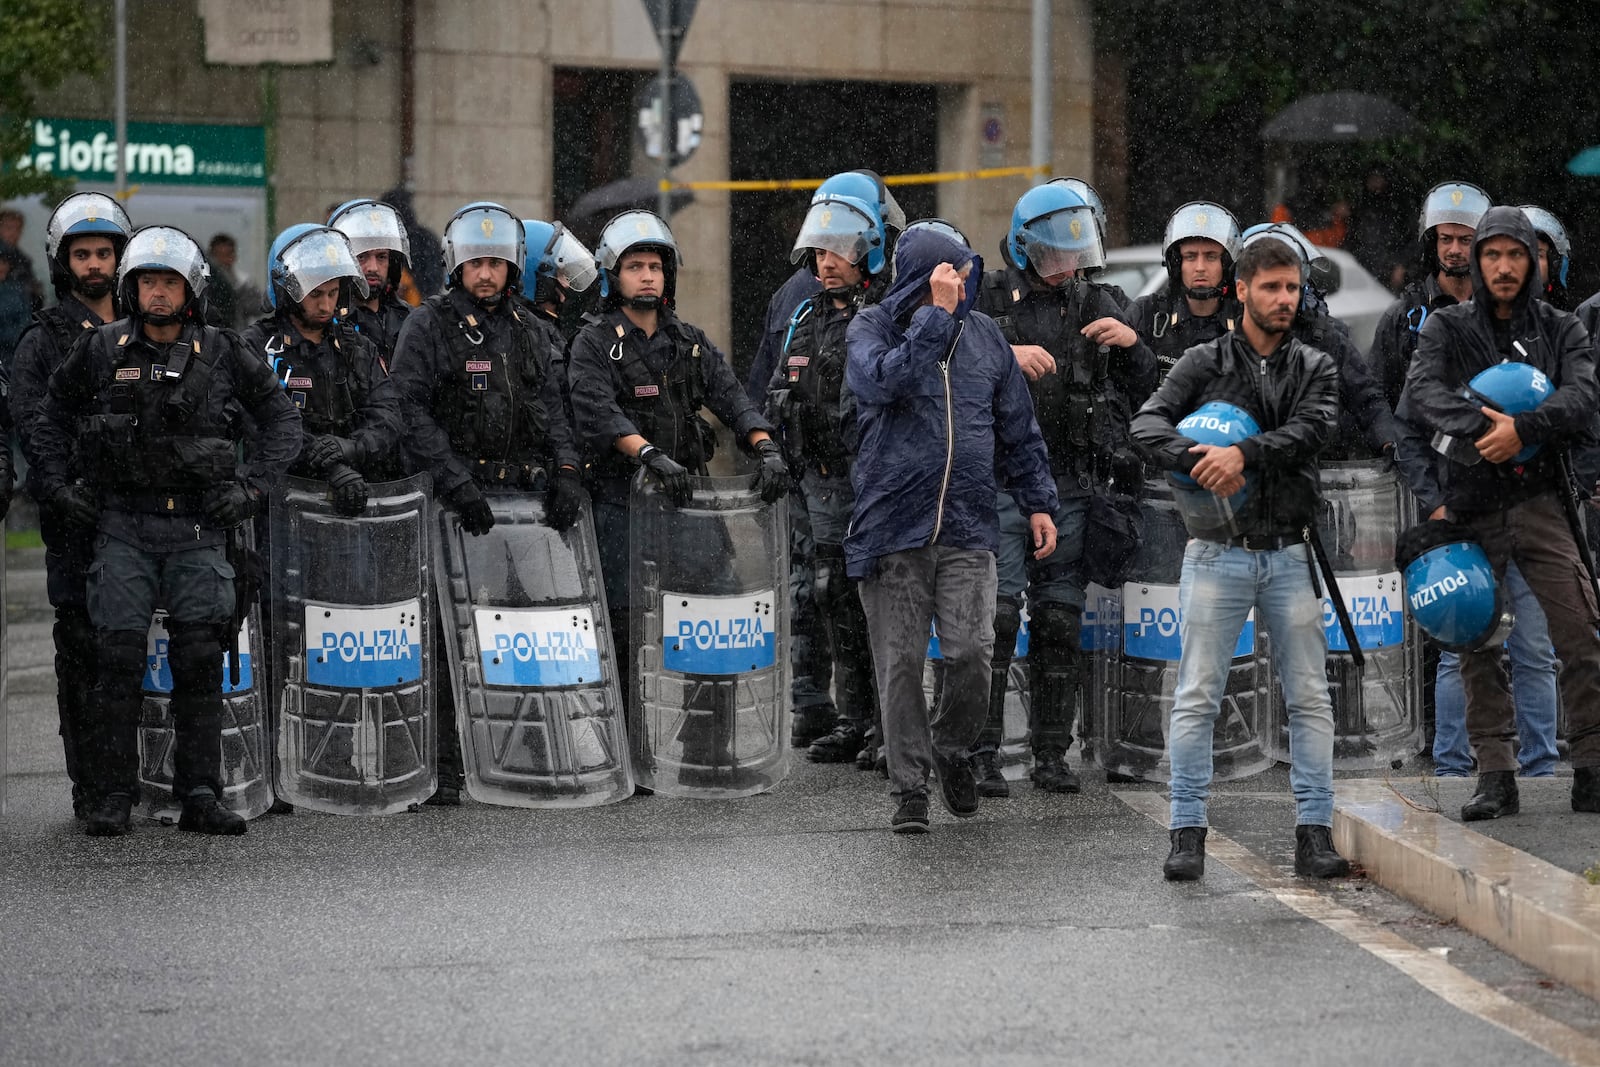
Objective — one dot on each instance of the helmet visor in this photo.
(372, 226)
(1549, 227)
(574, 264)
(484, 233)
(85, 213)
(836, 226)
(316, 259)
(1456, 202)
(1062, 242)
(1201, 219)
(165, 248)
(632, 228)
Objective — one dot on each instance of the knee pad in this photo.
(829, 577)
(195, 655)
(77, 649)
(1055, 636)
(121, 655)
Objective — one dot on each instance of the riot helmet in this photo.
(637, 231)
(483, 230)
(306, 256)
(1460, 203)
(1205, 514)
(1212, 222)
(847, 227)
(79, 215)
(1315, 266)
(1087, 194)
(370, 226)
(1053, 232)
(556, 262)
(163, 248)
(866, 185)
(1549, 229)
(1511, 387)
(1450, 587)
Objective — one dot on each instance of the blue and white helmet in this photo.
(846, 226)
(1450, 587)
(1205, 514)
(1053, 232)
(483, 230)
(78, 215)
(306, 256)
(1547, 226)
(1512, 388)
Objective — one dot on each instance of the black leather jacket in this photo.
(1293, 395)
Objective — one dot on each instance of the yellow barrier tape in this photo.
(770, 185)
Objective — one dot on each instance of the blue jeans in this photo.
(1220, 585)
(1533, 688)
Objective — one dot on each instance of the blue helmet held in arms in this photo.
(1512, 388)
(1450, 587)
(1213, 423)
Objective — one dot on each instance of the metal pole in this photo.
(122, 97)
(1041, 149)
(269, 125)
(668, 134)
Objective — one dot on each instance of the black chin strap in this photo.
(643, 303)
(1210, 292)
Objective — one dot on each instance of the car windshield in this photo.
(1130, 277)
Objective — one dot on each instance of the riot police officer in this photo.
(556, 266)
(639, 376)
(380, 244)
(1555, 254)
(482, 407)
(1450, 214)
(843, 240)
(1088, 371)
(1198, 248)
(150, 410)
(811, 681)
(83, 241)
(349, 410)
(1097, 205)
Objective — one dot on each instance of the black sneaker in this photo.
(1187, 860)
(957, 787)
(1314, 855)
(446, 796)
(1051, 773)
(110, 817)
(911, 817)
(986, 768)
(202, 814)
(1496, 796)
(840, 746)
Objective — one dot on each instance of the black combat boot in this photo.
(1187, 860)
(1051, 773)
(986, 768)
(110, 816)
(1496, 796)
(840, 746)
(1586, 789)
(202, 814)
(1314, 855)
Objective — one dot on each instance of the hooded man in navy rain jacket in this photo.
(942, 407)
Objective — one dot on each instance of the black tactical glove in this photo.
(326, 450)
(672, 476)
(349, 489)
(772, 476)
(477, 518)
(228, 505)
(76, 505)
(565, 502)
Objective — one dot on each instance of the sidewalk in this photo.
(1518, 882)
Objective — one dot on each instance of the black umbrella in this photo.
(1339, 117)
(619, 196)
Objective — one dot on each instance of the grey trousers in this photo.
(954, 588)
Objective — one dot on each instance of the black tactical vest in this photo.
(1082, 412)
(491, 401)
(664, 406)
(154, 431)
(814, 356)
(317, 378)
(1170, 336)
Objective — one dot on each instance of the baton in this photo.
(1357, 656)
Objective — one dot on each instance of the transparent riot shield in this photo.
(1136, 670)
(1377, 715)
(352, 669)
(710, 609)
(246, 788)
(532, 666)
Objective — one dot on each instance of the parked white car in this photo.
(1354, 296)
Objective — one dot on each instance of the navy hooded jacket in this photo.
(942, 407)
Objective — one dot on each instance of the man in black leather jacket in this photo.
(1261, 558)
(1512, 500)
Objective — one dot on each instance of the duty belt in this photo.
(1266, 542)
(509, 475)
(153, 502)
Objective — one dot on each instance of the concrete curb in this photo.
(1547, 917)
